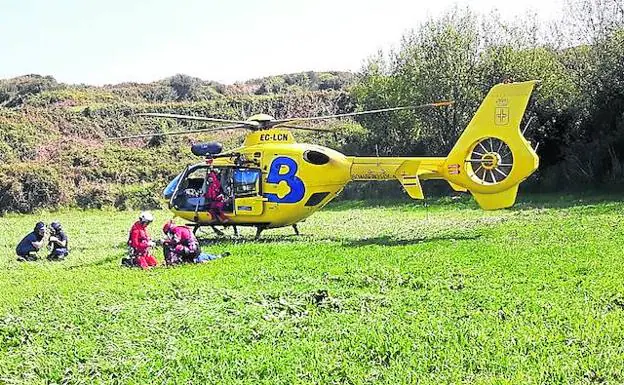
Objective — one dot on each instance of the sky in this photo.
(111, 41)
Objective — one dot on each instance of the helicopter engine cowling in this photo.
(207, 149)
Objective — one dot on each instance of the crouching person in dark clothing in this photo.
(57, 243)
(28, 247)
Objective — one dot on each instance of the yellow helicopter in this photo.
(273, 181)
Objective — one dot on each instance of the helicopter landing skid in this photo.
(259, 230)
(214, 228)
(218, 232)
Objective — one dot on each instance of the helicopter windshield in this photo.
(170, 189)
(188, 190)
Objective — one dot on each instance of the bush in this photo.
(95, 196)
(25, 188)
(13, 92)
(143, 197)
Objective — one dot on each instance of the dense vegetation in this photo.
(52, 150)
(52, 136)
(452, 294)
(579, 108)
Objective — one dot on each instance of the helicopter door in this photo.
(248, 199)
(189, 192)
(171, 191)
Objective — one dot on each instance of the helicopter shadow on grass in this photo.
(386, 240)
(524, 203)
(391, 241)
(242, 240)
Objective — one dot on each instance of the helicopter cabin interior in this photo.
(240, 187)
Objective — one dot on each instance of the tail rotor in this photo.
(490, 161)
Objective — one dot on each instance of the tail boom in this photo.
(408, 171)
(490, 159)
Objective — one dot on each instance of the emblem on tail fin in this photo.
(502, 116)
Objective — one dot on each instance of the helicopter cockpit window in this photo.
(170, 189)
(246, 181)
(193, 185)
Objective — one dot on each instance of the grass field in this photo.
(369, 293)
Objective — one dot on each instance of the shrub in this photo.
(95, 196)
(25, 188)
(142, 197)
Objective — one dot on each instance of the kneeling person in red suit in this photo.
(180, 244)
(139, 243)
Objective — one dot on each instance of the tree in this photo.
(438, 61)
(184, 86)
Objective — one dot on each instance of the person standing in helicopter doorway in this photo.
(57, 243)
(28, 247)
(215, 198)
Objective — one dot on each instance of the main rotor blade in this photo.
(200, 118)
(302, 128)
(437, 104)
(201, 130)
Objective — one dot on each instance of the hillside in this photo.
(45, 91)
(52, 135)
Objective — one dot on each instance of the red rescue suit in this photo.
(214, 194)
(139, 243)
(182, 246)
(184, 240)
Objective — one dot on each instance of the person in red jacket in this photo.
(180, 244)
(214, 195)
(139, 242)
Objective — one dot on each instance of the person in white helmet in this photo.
(139, 243)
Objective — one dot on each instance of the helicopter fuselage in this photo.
(293, 179)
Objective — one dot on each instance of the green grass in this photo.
(370, 293)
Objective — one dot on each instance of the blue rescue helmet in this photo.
(39, 227)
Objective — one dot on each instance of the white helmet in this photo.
(146, 217)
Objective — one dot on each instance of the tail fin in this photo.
(491, 157)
